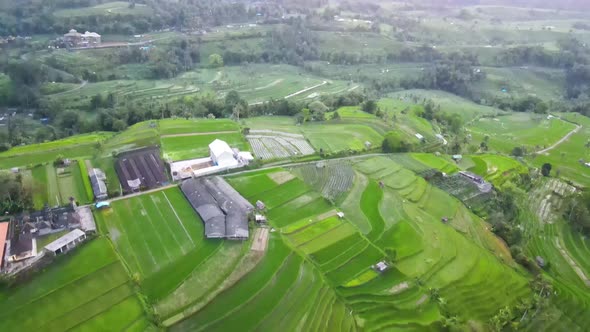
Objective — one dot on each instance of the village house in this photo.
(88, 39)
(99, 187)
(66, 242)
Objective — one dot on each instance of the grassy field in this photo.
(497, 169)
(531, 131)
(566, 158)
(72, 147)
(405, 117)
(164, 228)
(55, 186)
(254, 82)
(79, 292)
(191, 147)
(448, 102)
(330, 136)
(181, 126)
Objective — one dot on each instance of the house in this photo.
(457, 157)
(340, 215)
(419, 136)
(91, 39)
(260, 205)
(381, 266)
(66, 242)
(99, 187)
(482, 185)
(3, 237)
(222, 154)
(260, 218)
(88, 39)
(73, 38)
(472, 177)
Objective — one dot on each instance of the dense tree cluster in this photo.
(577, 212)
(394, 142)
(14, 195)
(34, 17)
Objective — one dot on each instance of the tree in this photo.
(369, 106)
(215, 60)
(336, 116)
(518, 151)
(546, 169)
(577, 211)
(318, 110)
(393, 142)
(14, 195)
(119, 125)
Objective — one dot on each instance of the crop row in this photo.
(273, 147)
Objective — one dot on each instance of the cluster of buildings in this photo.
(19, 248)
(87, 39)
(221, 158)
(224, 211)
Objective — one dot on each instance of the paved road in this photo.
(565, 138)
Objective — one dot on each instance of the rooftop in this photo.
(219, 147)
(3, 235)
(62, 241)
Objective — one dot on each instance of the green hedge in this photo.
(86, 180)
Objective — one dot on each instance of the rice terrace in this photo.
(305, 165)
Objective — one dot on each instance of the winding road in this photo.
(565, 138)
(83, 84)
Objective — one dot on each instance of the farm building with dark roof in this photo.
(223, 210)
(139, 169)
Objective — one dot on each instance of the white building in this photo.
(222, 154)
(66, 242)
(222, 158)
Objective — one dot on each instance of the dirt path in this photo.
(142, 193)
(199, 134)
(270, 85)
(572, 263)
(217, 77)
(260, 241)
(306, 89)
(565, 138)
(83, 84)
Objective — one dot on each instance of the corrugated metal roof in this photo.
(62, 241)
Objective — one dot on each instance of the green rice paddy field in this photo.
(566, 158)
(401, 222)
(351, 133)
(55, 185)
(532, 131)
(88, 291)
(192, 147)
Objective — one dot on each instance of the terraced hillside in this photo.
(394, 216)
(566, 251)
